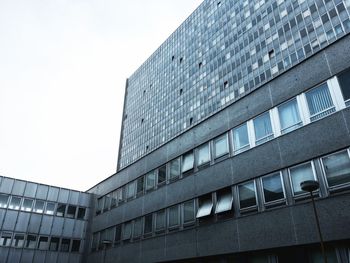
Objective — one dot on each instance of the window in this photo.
(205, 205)
(81, 213)
(262, 128)
(221, 146)
(114, 199)
(15, 203)
(337, 168)
(120, 195)
(118, 233)
(27, 205)
(174, 217)
(320, 102)
(54, 242)
(189, 212)
(71, 211)
(203, 154)
(161, 174)
(43, 243)
(247, 195)
(30, 241)
(75, 246)
(160, 220)
(174, 169)
(137, 228)
(107, 202)
(150, 181)
(187, 162)
(100, 204)
(273, 188)
(61, 209)
(240, 138)
(344, 82)
(130, 190)
(289, 116)
(140, 185)
(3, 201)
(18, 240)
(65, 243)
(127, 230)
(300, 174)
(148, 226)
(39, 206)
(5, 239)
(224, 201)
(50, 208)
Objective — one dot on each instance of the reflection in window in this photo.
(300, 174)
(18, 240)
(263, 128)
(61, 209)
(273, 189)
(30, 241)
(5, 239)
(75, 245)
(174, 216)
(50, 208)
(221, 146)
(43, 243)
(247, 195)
(15, 203)
(337, 168)
(320, 102)
(174, 169)
(3, 201)
(148, 224)
(205, 205)
(240, 138)
(160, 220)
(65, 243)
(162, 174)
(289, 116)
(39, 206)
(150, 180)
(130, 190)
(224, 201)
(27, 205)
(189, 212)
(344, 82)
(137, 228)
(187, 162)
(203, 154)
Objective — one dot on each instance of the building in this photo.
(241, 103)
(245, 100)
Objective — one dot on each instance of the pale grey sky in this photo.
(63, 66)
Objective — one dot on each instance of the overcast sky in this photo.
(63, 66)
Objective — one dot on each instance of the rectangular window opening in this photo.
(205, 206)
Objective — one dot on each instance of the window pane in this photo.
(174, 169)
(240, 138)
(107, 202)
(273, 189)
(189, 211)
(118, 233)
(203, 154)
(18, 240)
(81, 213)
(140, 185)
(150, 180)
(76, 246)
(43, 243)
(130, 189)
(337, 168)
(5, 239)
(148, 224)
(61, 209)
(263, 128)
(187, 162)
(100, 204)
(344, 82)
(162, 174)
(54, 243)
(205, 207)
(71, 211)
(3, 201)
(127, 231)
(221, 146)
(39, 206)
(50, 208)
(224, 201)
(160, 220)
(289, 116)
(65, 245)
(320, 102)
(247, 195)
(27, 205)
(300, 174)
(174, 216)
(30, 241)
(15, 203)
(138, 227)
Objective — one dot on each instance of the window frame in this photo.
(244, 147)
(267, 137)
(200, 204)
(294, 126)
(190, 169)
(249, 208)
(220, 193)
(193, 221)
(15, 207)
(165, 178)
(162, 229)
(303, 193)
(278, 201)
(178, 175)
(13, 243)
(7, 202)
(200, 165)
(151, 187)
(226, 136)
(176, 226)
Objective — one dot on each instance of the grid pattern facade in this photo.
(224, 50)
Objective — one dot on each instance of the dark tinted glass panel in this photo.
(247, 195)
(43, 243)
(337, 168)
(65, 245)
(30, 241)
(61, 208)
(148, 224)
(54, 243)
(189, 215)
(76, 246)
(18, 240)
(140, 185)
(50, 208)
(118, 233)
(5, 239)
(161, 174)
(344, 81)
(273, 189)
(81, 213)
(71, 211)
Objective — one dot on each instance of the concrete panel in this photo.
(30, 190)
(52, 257)
(154, 201)
(53, 194)
(6, 185)
(46, 225)
(84, 199)
(79, 228)
(34, 223)
(346, 116)
(180, 191)
(111, 255)
(131, 209)
(68, 227)
(18, 187)
(74, 258)
(338, 55)
(57, 226)
(63, 258)
(10, 220)
(74, 197)
(22, 222)
(63, 196)
(14, 255)
(41, 192)
(181, 245)
(153, 250)
(131, 253)
(4, 251)
(39, 256)
(27, 256)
